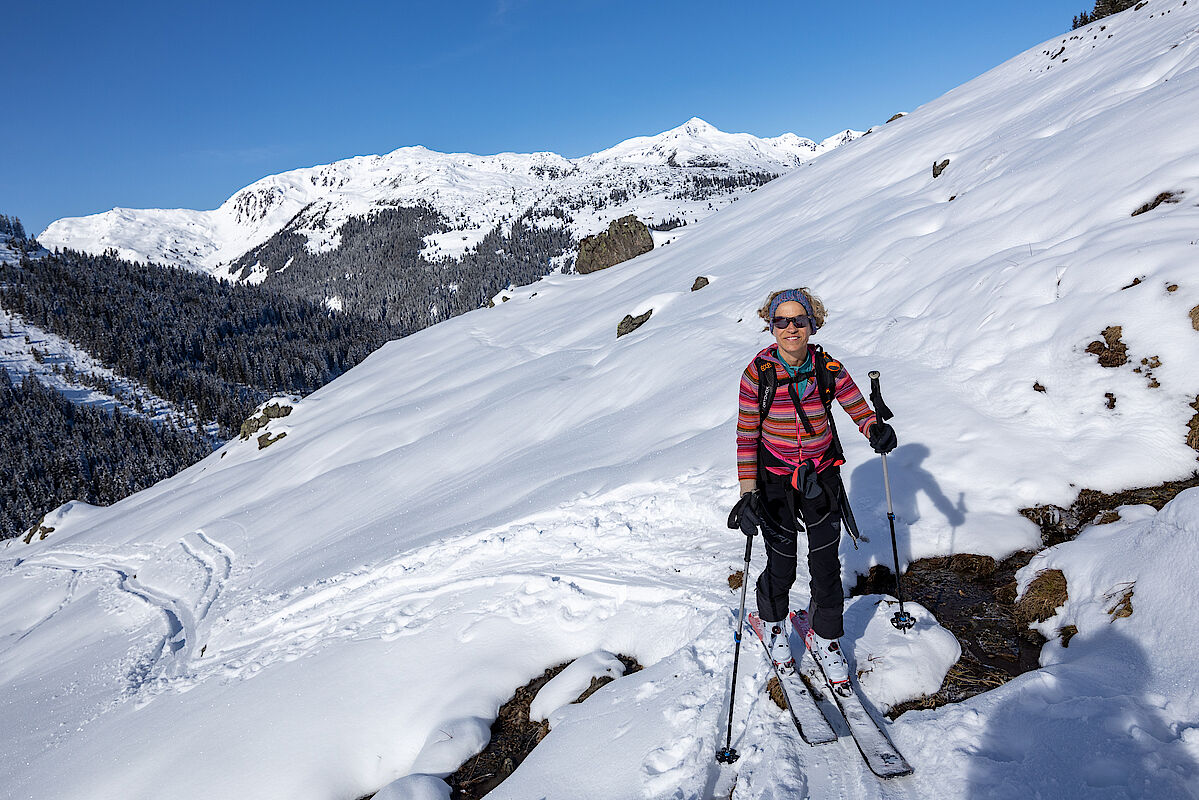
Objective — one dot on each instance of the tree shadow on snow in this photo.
(1083, 728)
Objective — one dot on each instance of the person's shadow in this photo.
(909, 479)
(1087, 726)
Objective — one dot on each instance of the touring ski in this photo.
(809, 721)
(880, 754)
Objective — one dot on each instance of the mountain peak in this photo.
(695, 127)
(474, 191)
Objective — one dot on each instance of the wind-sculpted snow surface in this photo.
(516, 487)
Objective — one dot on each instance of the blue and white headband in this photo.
(792, 295)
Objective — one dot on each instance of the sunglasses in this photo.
(782, 323)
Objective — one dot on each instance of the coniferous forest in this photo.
(216, 349)
(54, 451)
(378, 270)
(213, 348)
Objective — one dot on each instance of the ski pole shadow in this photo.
(1087, 726)
(909, 479)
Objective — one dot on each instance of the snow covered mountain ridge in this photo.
(654, 177)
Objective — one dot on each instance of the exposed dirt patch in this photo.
(1059, 524)
(939, 168)
(513, 736)
(1146, 368)
(974, 597)
(700, 283)
(978, 603)
(1164, 197)
(736, 579)
(1193, 427)
(1195, 318)
(1112, 352)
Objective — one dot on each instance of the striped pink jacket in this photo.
(783, 433)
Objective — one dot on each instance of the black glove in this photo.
(882, 438)
(747, 514)
(805, 481)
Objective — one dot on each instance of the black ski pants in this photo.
(819, 528)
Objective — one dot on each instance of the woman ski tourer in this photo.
(788, 468)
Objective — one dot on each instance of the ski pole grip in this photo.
(876, 397)
(749, 546)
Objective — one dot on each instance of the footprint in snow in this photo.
(662, 767)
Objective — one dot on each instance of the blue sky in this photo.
(142, 104)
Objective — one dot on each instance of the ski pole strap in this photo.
(876, 398)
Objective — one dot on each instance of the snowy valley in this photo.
(343, 612)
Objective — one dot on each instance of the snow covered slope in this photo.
(652, 176)
(516, 486)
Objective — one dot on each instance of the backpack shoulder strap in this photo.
(827, 371)
(768, 384)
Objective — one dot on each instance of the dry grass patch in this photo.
(776, 692)
(1043, 597)
(1122, 606)
(1066, 633)
(1112, 352)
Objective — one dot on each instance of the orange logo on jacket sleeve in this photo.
(834, 366)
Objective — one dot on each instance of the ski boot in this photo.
(780, 648)
(827, 653)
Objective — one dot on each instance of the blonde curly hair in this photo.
(818, 311)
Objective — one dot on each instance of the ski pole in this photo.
(728, 755)
(901, 619)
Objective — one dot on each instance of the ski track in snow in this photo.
(579, 565)
(574, 567)
(170, 658)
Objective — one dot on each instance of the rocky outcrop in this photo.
(274, 409)
(631, 323)
(625, 238)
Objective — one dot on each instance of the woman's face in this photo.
(793, 339)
